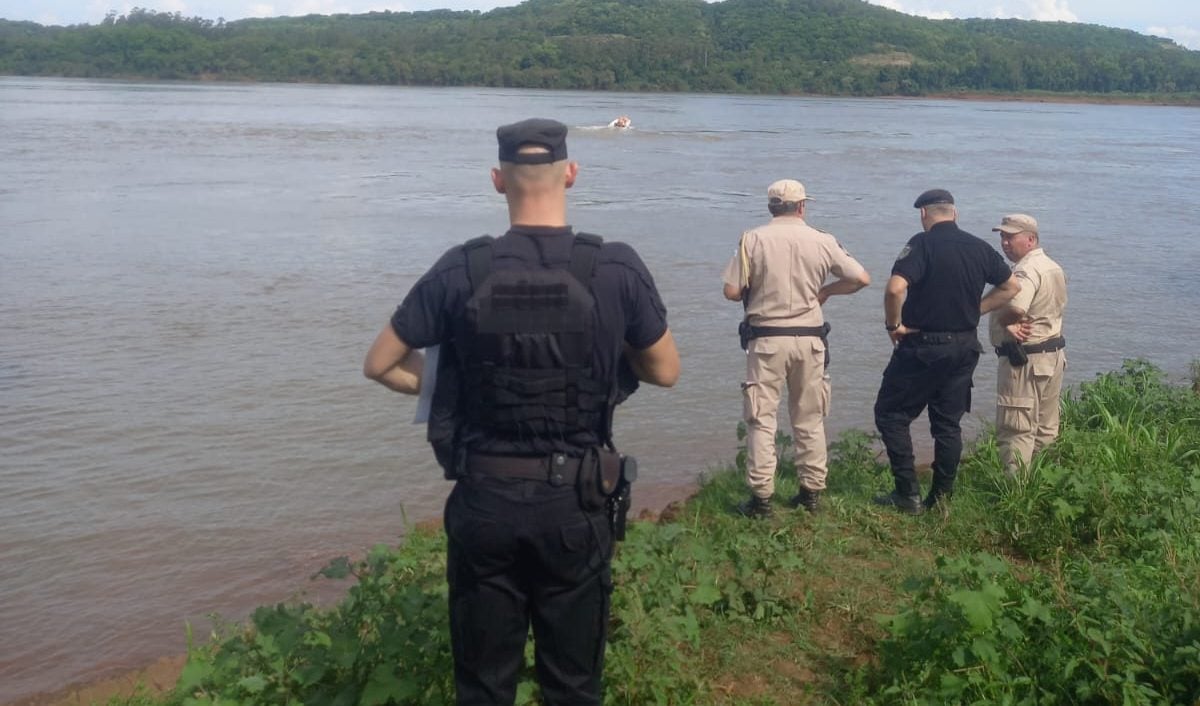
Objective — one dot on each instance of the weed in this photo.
(1077, 582)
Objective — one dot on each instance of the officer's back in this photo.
(532, 328)
(947, 269)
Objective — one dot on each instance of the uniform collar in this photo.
(540, 230)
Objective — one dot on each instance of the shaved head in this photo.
(941, 210)
(533, 178)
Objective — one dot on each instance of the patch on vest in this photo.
(525, 345)
(904, 252)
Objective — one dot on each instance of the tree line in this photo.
(831, 47)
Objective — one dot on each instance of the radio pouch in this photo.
(599, 477)
(745, 334)
(1016, 354)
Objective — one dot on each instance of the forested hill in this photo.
(838, 47)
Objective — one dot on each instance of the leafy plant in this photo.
(1075, 583)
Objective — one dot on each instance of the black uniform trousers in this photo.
(934, 371)
(524, 552)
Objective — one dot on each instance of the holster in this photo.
(745, 333)
(604, 483)
(599, 477)
(1015, 353)
(618, 504)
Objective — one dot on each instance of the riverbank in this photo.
(1190, 100)
(152, 681)
(1081, 581)
(846, 49)
(1179, 101)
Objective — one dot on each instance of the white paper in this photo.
(428, 382)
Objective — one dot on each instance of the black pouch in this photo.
(621, 500)
(1015, 353)
(745, 334)
(599, 477)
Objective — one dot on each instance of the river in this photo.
(191, 273)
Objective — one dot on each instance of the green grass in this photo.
(1079, 582)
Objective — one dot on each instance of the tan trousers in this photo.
(1027, 407)
(799, 363)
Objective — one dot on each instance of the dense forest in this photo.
(835, 47)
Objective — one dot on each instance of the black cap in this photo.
(550, 134)
(932, 197)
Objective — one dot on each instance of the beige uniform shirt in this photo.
(1043, 297)
(787, 262)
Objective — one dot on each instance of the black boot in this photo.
(755, 508)
(908, 504)
(808, 499)
(937, 498)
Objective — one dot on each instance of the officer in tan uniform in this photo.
(1028, 338)
(779, 274)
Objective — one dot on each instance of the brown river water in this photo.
(191, 273)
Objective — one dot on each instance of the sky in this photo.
(1176, 19)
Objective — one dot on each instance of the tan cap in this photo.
(786, 190)
(1017, 223)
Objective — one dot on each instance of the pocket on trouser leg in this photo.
(1014, 415)
(751, 402)
(1043, 366)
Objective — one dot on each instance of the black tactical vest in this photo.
(519, 366)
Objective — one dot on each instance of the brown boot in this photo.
(808, 499)
(755, 508)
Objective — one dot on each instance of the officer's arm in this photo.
(1019, 305)
(893, 299)
(844, 285)
(735, 274)
(658, 364)
(1010, 315)
(999, 295)
(393, 364)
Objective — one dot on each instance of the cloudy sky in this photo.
(1177, 19)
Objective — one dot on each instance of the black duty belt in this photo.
(555, 469)
(937, 338)
(764, 331)
(1047, 346)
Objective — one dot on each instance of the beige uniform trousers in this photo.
(799, 363)
(1027, 407)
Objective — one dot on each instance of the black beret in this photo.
(550, 134)
(932, 197)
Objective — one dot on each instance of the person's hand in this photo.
(900, 332)
(1020, 331)
(822, 297)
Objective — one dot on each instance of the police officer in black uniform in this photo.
(942, 270)
(541, 332)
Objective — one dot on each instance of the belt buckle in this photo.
(558, 464)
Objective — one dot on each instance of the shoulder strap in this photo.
(584, 253)
(479, 259)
